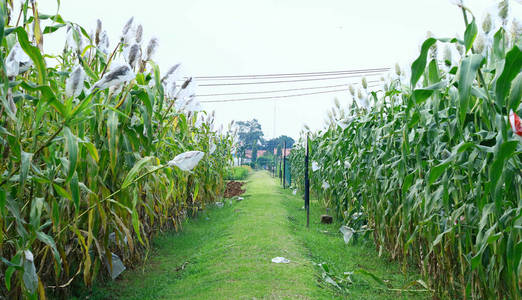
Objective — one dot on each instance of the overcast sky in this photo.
(235, 37)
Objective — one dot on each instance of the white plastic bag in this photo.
(280, 260)
(325, 185)
(187, 161)
(347, 233)
(117, 266)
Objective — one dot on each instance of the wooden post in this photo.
(307, 186)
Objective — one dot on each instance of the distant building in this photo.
(248, 153)
(287, 151)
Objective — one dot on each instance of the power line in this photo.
(283, 81)
(285, 90)
(289, 75)
(297, 74)
(278, 97)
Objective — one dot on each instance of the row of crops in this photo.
(431, 164)
(99, 150)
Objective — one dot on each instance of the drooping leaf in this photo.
(25, 165)
(135, 171)
(470, 34)
(72, 148)
(418, 66)
(512, 68)
(34, 53)
(468, 72)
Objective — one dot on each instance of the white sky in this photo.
(235, 37)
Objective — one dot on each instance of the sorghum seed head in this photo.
(503, 10)
(486, 23)
(128, 26)
(139, 34)
(98, 31)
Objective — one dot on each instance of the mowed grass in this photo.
(226, 254)
(324, 244)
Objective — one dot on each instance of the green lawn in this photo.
(226, 254)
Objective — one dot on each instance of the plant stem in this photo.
(110, 196)
(49, 140)
(110, 58)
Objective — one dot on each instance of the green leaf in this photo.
(506, 150)
(80, 107)
(88, 70)
(3, 201)
(370, 274)
(418, 66)
(420, 95)
(515, 96)
(8, 274)
(112, 135)
(439, 237)
(2, 21)
(30, 278)
(50, 242)
(136, 224)
(143, 95)
(92, 150)
(61, 191)
(72, 148)
(36, 211)
(135, 171)
(468, 71)
(25, 165)
(408, 180)
(470, 34)
(53, 28)
(512, 67)
(436, 171)
(75, 191)
(498, 43)
(47, 95)
(34, 53)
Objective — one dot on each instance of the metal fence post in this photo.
(284, 165)
(307, 186)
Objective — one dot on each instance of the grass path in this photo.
(226, 254)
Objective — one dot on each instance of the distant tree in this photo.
(279, 150)
(254, 156)
(249, 134)
(266, 161)
(278, 141)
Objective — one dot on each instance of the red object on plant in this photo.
(516, 124)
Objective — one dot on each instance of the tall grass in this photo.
(433, 164)
(85, 147)
(238, 173)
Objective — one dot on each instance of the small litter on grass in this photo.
(117, 266)
(240, 198)
(182, 267)
(294, 192)
(219, 204)
(326, 219)
(280, 260)
(347, 233)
